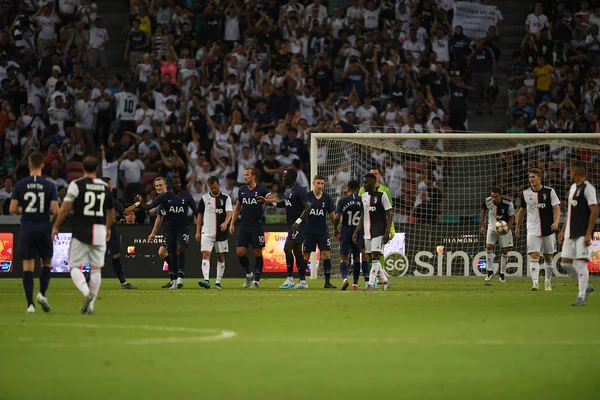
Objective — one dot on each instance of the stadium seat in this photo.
(72, 175)
(149, 178)
(74, 166)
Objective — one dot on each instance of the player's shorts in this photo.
(503, 240)
(374, 245)
(208, 242)
(35, 241)
(83, 253)
(311, 241)
(576, 249)
(250, 235)
(347, 246)
(177, 238)
(114, 244)
(541, 244)
(298, 236)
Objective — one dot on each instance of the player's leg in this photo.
(367, 252)
(78, 256)
(583, 255)
(28, 267)
(505, 242)
(96, 257)
(308, 247)
(172, 250)
(244, 239)
(535, 269)
(325, 248)
(356, 267)
(365, 264)
(221, 251)
(344, 265)
(548, 249)
(258, 266)
(45, 251)
(166, 257)
(490, 244)
(288, 249)
(257, 238)
(182, 239)
(206, 246)
(301, 264)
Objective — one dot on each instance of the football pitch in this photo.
(422, 339)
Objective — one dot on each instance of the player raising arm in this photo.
(543, 214)
(176, 204)
(252, 231)
(347, 213)
(317, 234)
(93, 215)
(496, 208)
(34, 197)
(577, 230)
(376, 217)
(297, 208)
(214, 215)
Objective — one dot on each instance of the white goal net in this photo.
(438, 184)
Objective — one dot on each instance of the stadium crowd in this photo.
(553, 87)
(230, 84)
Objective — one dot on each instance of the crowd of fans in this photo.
(553, 87)
(223, 85)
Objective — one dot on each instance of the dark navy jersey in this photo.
(34, 194)
(119, 209)
(349, 208)
(294, 199)
(176, 209)
(319, 210)
(252, 211)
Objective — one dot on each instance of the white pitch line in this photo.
(207, 335)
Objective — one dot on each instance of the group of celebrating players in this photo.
(362, 222)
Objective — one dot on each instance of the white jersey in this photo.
(127, 103)
(214, 211)
(500, 212)
(540, 210)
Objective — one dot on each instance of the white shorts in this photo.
(374, 245)
(83, 253)
(207, 243)
(575, 249)
(541, 244)
(503, 240)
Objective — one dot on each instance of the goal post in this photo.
(438, 183)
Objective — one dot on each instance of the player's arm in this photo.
(556, 208)
(131, 209)
(303, 216)
(358, 227)
(157, 223)
(336, 225)
(520, 217)
(55, 210)
(483, 220)
(62, 213)
(199, 223)
(228, 214)
(591, 223)
(236, 213)
(14, 207)
(155, 203)
(387, 205)
(511, 216)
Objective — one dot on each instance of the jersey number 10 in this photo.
(94, 204)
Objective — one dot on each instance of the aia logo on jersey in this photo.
(248, 201)
(176, 210)
(318, 212)
(288, 203)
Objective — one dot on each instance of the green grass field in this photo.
(422, 339)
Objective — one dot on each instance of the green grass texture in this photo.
(443, 338)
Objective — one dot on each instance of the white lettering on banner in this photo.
(397, 264)
(474, 18)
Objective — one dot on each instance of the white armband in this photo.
(299, 221)
(137, 204)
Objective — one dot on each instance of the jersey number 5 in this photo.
(32, 199)
(94, 204)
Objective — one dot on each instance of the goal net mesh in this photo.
(438, 188)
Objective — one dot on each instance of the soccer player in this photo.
(317, 234)
(34, 197)
(113, 247)
(251, 230)
(376, 217)
(176, 204)
(160, 185)
(214, 214)
(577, 230)
(347, 213)
(297, 207)
(543, 214)
(376, 171)
(499, 209)
(93, 215)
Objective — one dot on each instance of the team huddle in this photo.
(362, 222)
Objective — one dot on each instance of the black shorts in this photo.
(176, 237)
(298, 237)
(312, 240)
(347, 246)
(251, 235)
(35, 241)
(114, 244)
